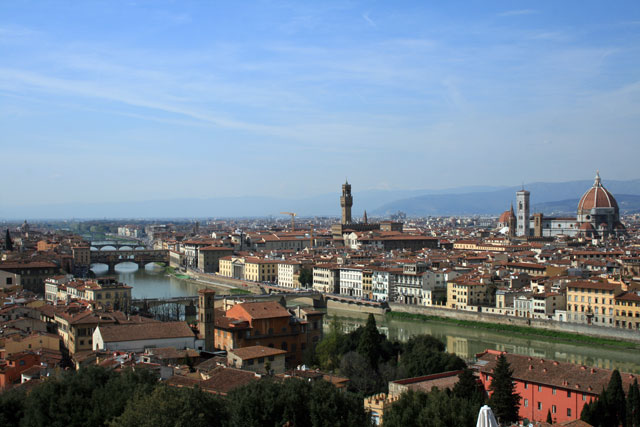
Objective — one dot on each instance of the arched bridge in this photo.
(133, 244)
(140, 257)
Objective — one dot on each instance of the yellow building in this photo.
(261, 270)
(591, 302)
(463, 293)
(35, 341)
(76, 328)
(367, 283)
(627, 314)
(105, 292)
(377, 405)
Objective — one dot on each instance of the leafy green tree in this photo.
(439, 408)
(11, 407)
(504, 401)
(300, 403)
(306, 277)
(424, 355)
(363, 378)
(91, 396)
(329, 350)
(169, 406)
(468, 387)
(633, 405)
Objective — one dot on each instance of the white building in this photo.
(351, 281)
(288, 272)
(138, 337)
(326, 278)
(380, 285)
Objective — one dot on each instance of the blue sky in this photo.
(117, 101)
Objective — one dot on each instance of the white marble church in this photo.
(598, 216)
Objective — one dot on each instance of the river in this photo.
(153, 282)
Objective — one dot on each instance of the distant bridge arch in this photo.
(141, 257)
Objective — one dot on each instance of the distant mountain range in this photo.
(548, 198)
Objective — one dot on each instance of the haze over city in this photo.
(125, 101)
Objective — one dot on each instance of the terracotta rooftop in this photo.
(145, 331)
(562, 375)
(256, 351)
(223, 380)
(258, 310)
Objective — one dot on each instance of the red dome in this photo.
(586, 226)
(504, 218)
(597, 197)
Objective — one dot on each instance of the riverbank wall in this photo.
(550, 325)
(345, 306)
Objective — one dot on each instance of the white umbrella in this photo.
(486, 418)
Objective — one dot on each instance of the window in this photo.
(526, 386)
(283, 345)
(584, 397)
(553, 391)
(526, 403)
(553, 409)
(539, 388)
(568, 412)
(568, 393)
(272, 358)
(261, 360)
(539, 406)
(250, 362)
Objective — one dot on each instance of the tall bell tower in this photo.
(346, 201)
(206, 319)
(522, 199)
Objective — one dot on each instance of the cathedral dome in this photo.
(506, 215)
(597, 197)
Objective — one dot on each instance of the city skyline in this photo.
(148, 101)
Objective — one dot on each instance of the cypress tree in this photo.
(616, 405)
(549, 419)
(633, 405)
(504, 401)
(8, 243)
(369, 342)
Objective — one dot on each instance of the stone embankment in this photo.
(550, 325)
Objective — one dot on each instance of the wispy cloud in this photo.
(518, 12)
(367, 18)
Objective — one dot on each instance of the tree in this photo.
(633, 405)
(11, 407)
(616, 401)
(305, 277)
(504, 401)
(8, 243)
(549, 419)
(300, 403)
(329, 350)
(171, 406)
(424, 355)
(438, 408)
(468, 387)
(369, 344)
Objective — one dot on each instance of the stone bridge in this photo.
(154, 302)
(133, 244)
(140, 257)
